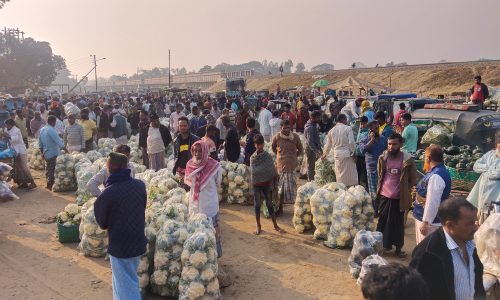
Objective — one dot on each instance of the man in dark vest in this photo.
(432, 189)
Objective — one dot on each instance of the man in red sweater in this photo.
(479, 91)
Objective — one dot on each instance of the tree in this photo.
(26, 63)
(287, 66)
(322, 68)
(300, 68)
(2, 3)
(206, 68)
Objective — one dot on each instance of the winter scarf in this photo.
(262, 167)
(199, 172)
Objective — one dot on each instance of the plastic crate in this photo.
(463, 180)
(68, 234)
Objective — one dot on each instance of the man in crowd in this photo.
(287, 147)
(479, 91)
(384, 128)
(340, 140)
(89, 129)
(313, 143)
(396, 177)
(431, 191)
(74, 140)
(21, 124)
(120, 210)
(363, 132)
(265, 116)
(50, 145)
(182, 147)
(119, 127)
(174, 118)
(249, 144)
(372, 146)
(215, 112)
(302, 118)
(289, 115)
(36, 124)
(143, 135)
(241, 120)
(105, 119)
(410, 134)
(352, 109)
(133, 119)
(220, 124)
(447, 259)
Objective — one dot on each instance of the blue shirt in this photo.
(362, 134)
(410, 135)
(464, 276)
(370, 114)
(372, 152)
(50, 142)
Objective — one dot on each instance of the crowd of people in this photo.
(203, 131)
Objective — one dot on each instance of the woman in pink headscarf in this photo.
(203, 176)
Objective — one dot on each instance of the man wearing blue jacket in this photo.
(50, 145)
(120, 209)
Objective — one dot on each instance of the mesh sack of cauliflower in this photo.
(487, 239)
(64, 174)
(71, 109)
(71, 215)
(222, 189)
(105, 146)
(348, 217)
(321, 209)
(199, 267)
(324, 171)
(167, 258)
(238, 187)
(138, 167)
(199, 221)
(439, 135)
(146, 268)
(159, 186)
(365, 244)
(93, 155)
(368, 264)
(6, 193)
(93, 240)
(83, 176)
(302, 216)
(35, 158)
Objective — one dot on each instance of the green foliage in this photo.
(27, 63)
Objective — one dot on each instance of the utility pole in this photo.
(169, 82)
(95, 73)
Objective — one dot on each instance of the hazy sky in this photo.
(133, 34)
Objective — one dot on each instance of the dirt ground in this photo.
(271, 266)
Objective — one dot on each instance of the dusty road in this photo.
(34, 265)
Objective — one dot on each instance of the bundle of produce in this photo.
(160, 185)
(438, 134)
(177, 195)
(324, 172)
(138, 167)
(199, 267)
(167, 258)
(365, 243)
(352, 211)
(135, 156)
(105, 146)
(93, 155)
(83, 176)
(199, 222)
(64, 174)
(100, 163)
(146, 268)
(368, 264)
(238, 183)
(35, 158)
(71, 215)
(6, 193)
(71, 109)
(94, 240)
(321, 209)
(302, 216)
(222, 189)
(487, 240)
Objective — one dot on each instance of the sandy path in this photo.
(271, 266)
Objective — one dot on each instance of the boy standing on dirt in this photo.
(263, 172)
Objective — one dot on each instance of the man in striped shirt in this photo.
(447, 259)
(73, 135)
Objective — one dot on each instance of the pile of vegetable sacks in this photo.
(302, 216)
(438, 134)
(368, 264)
(161, 184)
(321, 208)
(71, 109)
(199, 262)
(93, 239)
(237, 179)
(352, 211)
(365, 243)
(35, 158)
(71, 215)
(64, 174)
(105, 146)
(93, 155)
(83, 176)
(135, 152)
(324, 171)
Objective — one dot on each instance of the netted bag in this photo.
(363, 219)
(199, 267)
(93, 155)
(342, 229)
(439, 135)
(167, 258)
(64, 174)
(238, 187)
(487, 240)
(321, 209)
(369, 264)
(71, 109)
(94, 240)
(35, 158)
(302, 216)
(324, 172)
(365, 244)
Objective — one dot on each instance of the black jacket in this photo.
(432, 259)
(165, 136)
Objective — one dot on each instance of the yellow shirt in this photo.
(88, 127)
(381, 128)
